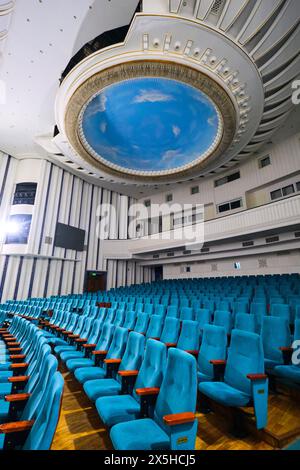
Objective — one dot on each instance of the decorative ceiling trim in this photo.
(127, 71)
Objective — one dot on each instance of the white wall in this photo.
(285, 166)
(40, 269)
(250, 265)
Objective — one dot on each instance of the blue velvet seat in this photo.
(290, 373)
(142, 323)
(131, 361)
(115, 351)
(275, 334)
(172, 311)
(281, 310)
(213, 347)
(170, 331)
(245, 322)
(202, 317)
(130, 319)
(223, 318)
(177, 394)
(79, 352)
(123, 408)
(189, 338)
(119, 318)
(102, 345)
(244, 379)
(155, 326)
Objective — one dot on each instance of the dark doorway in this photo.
(158, 273)
(95, 281)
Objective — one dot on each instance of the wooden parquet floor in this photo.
(80, 427)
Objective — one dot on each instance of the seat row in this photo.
(30, 388)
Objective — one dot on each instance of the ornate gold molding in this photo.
(156, 69)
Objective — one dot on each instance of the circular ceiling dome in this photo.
(150, 125)
(150, 120)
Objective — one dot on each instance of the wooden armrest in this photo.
(19, 426)
(14, 350)
(147, 391)
(192, 351)
(171, 345)
(74, 336)
(89, 346)
(112, 361)
(218, 362)
(179, 418)
(13, 344)
(20, 378)
(100, 353)
(17, 356)
(128, 373)
(254, 377)
(156, 338)
(287, 349)
(66, 332)
(17, 397)
(22, 365)
(81, 340)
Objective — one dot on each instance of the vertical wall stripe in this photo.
(59, 204)
(45, 210)
(4, 276)
(47, 279)
(18, 277)
(32, 278)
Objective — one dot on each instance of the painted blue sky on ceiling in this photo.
(150, 124)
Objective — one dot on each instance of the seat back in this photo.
(178, 392)
(275, 334)
(213, 347)
(130, 319)
(119, 318)
(245, 356)
(202, 317)
(148, 308)
(155, 326)
(245, 322)
(186, 313)
(170, 330)
(141, 323)
(223, 318)
(43, 430)
(280, 310)
(105, 337)
(118, 344)
(134, 351)
(172, 311)
(189, 338)
(95, 331)
(153, 366)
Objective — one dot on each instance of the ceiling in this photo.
(38, 38)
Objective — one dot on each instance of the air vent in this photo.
(25, 194)
(297, 234)
(283, 253)
(155, 256)
(218, 5)
(187, 252)
(205, 250)
(170, 254)
(272, 239)
(48, 240)
(245, 244)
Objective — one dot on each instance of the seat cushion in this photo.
(117, 409)
(63, 347)
(224, 394)
(66, 355)
(141, 434)
(89, 373)
(270, 364)
(73, 364)
(101, 388)
(4, 411)
(203, 377)
(4, 375)
(57, 341)
(291, 373)
(5, 389)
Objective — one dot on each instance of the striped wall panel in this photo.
(48, 270)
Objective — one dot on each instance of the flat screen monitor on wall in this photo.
(70, 238)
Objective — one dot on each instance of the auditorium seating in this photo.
(173, 425)
(235, 332)
(29, 404)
